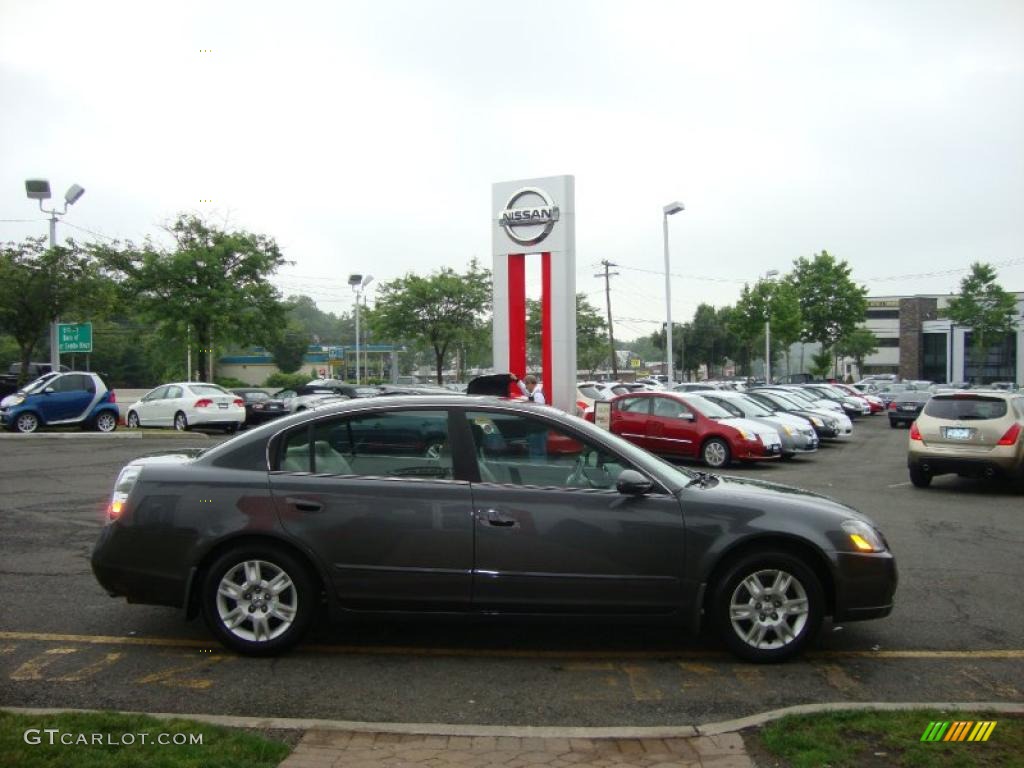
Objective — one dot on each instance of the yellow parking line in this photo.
(384, 650)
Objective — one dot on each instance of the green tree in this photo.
(39, 284)
(289, 347)
(985, 307)
(707, 340)
(439, 311)
(212, 286)
(322, 327)
(858, 344)
(821, 363)
(591, 334)
(831, 305)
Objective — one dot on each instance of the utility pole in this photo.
(608, 302)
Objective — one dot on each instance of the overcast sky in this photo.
(365, 136)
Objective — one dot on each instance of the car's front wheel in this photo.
(768, 606)
(26, 422)
(133, 420)
(716, 453)
(258, 600)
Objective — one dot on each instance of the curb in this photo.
(542, 732)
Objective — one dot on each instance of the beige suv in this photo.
(975, 434)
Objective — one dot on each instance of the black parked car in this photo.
(600, 527)
(259, 407)
(905, 407)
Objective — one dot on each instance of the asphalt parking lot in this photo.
(957, 633)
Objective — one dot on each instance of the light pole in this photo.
(39, 189)
(669, 210)
(771, 274)
(358, 283)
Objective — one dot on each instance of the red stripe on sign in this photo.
(545, 325)
(517, 314)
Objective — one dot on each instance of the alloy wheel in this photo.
(257, 601)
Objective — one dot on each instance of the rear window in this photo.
(966, 408)
(207, 389)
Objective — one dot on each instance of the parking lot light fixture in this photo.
(358, 284)
(669, 210)
(770, 275)
(39, 189)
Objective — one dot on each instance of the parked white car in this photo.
(187, 404)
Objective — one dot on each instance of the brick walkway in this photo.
(345, 749)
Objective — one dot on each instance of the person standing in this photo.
(530, 389)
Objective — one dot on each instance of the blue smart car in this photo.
(75, 398)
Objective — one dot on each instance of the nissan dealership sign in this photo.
(529, 216)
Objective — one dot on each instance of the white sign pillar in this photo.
(536, 216)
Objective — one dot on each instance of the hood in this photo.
(749, 425)
(757, 494)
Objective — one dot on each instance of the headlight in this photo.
(863, 537)
(786, 428)
(747, 435)
(16, 400)
(817, 422)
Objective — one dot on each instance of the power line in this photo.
(608, 302)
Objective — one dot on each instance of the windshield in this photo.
(37, 385)
(751, 407)
(787, 403)
(708, 408)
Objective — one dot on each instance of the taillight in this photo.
(1010, 438)
(915, 433)
(238, 401)
(204, 403)
(113, 396)
(892, 406)
(122, 488)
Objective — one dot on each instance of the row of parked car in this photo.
(722, 423)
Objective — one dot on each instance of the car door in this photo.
(68, 397)
(554, 535)
(392, 527)
(629, 419)
(148, 407)
(672, 427)
(173, 400)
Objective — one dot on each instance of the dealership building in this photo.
(916, 341)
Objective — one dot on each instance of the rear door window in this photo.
(966, 408)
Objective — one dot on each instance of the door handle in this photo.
(497, 519)
(305, 505)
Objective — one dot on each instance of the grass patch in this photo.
(873, 738)
(220, 747)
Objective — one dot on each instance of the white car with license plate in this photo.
(186, 404)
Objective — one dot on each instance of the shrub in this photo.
(286, 380)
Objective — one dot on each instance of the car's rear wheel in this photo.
(716, 453)
(258, 600)
(133, 420)
(105, 422)
(920, 477)
(230, 429)
(768, 606)
(180, 421)
(894, 424)
(26, 422)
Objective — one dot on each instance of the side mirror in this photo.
(632, 483)
(686, 416)
(49, 391)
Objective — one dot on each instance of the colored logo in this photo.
(963, 730)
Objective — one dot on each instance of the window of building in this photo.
(883, 314)
(887, 342)
(997, 363)
(934, 349)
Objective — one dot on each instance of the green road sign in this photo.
(75, 337)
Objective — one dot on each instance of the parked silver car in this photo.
(796, 432)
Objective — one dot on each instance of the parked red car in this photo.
(688, 426)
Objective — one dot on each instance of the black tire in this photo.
(230, 429)
(303, 591)
(716, 453)
(788, 456)
(761, 565)
(26, 422)
(919, 477)
(132, 422)
(181, 422)
(894, 424)
(105, 422)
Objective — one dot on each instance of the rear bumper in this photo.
(989, 466)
